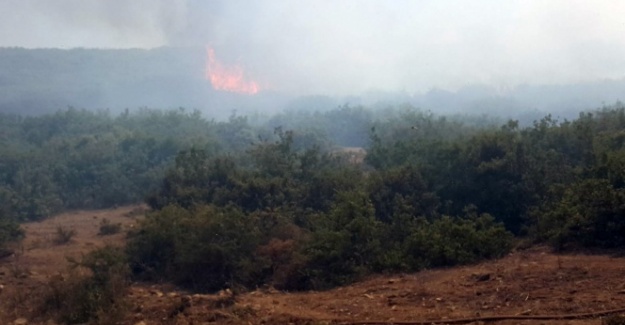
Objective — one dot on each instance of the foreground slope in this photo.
(533, 282)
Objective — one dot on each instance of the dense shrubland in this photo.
(299, 219)
(236, 204)
(80, 159)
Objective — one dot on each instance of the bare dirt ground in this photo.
(39, 257)
(534, 282)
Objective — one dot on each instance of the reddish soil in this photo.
(529, 282)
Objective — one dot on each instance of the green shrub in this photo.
(448, 241)
(96, 296)
(9, 232)
(205, 249)
(588, 214)
(345, 245)
(63, 235)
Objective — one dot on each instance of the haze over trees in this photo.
(42, 81)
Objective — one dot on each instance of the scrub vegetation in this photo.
(241, 204)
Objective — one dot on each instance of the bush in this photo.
(588, 214)
(205, 249)
(448, 241)
(9, 232)
(345, 243)
(93, 292)
(108, 228)
(63, 235)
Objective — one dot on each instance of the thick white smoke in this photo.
(349, 46)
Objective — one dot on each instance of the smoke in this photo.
(89, 23)
(338, 47)
(350, 46)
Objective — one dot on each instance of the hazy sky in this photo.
(349, 46)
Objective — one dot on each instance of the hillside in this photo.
(42, 81)
(528, 283)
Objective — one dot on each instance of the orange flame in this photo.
(228, 78)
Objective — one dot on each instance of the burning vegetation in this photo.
(230, 78)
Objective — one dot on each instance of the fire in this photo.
(228, 78)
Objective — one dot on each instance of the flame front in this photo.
(228, 78)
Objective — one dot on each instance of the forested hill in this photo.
(43, 81)
(39, 81)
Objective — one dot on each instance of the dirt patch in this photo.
(527, 284)
(41, 255)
